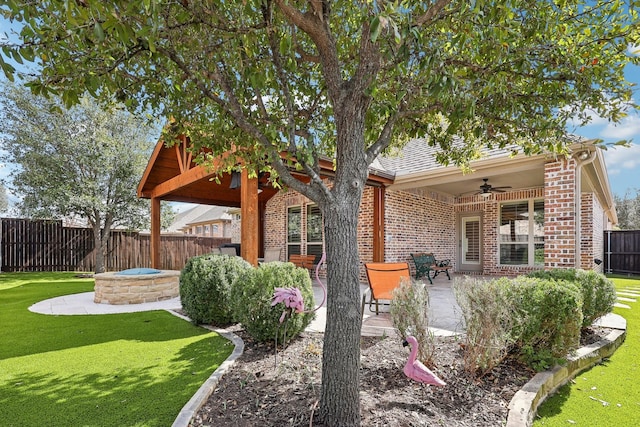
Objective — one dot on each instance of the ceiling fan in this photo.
(486, 189)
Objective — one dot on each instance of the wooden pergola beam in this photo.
(250, 218)
(155, 233)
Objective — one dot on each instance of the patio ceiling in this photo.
(519, 173)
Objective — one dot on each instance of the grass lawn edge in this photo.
(194, 404)
(524, 404)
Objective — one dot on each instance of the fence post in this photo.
(608, 251)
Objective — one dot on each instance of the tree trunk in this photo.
(99, 248)
(340, 401)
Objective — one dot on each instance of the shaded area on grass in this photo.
(119, 369)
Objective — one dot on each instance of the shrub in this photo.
(410, 316)
(598, 292)
(205, 284)
(549, 316)
(252, 296)
(487, 313)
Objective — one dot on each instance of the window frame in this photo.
(531, 241)
(293, 244)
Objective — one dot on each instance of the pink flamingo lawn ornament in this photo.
(293, 301)
(415, 370)
(292, 298)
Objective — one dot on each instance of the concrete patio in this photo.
(445, 315)
(444, 311)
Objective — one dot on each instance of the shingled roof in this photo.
(418, 156)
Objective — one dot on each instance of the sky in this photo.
(623, 164)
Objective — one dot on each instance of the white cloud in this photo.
(626, 129)
(633, 49)
(620, 159)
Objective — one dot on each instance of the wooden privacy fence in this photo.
(622, 251)
(37, 245)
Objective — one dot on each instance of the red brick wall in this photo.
(424, 221)
(559, 214)
(419, 222)
(275, 220)
(592, 236)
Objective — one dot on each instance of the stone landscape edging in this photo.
(524, 405)
(194, 404)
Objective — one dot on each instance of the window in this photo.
(522, 233)
(214, 229)
(314, 232)
(199, 230)
(206, 230)
(294, 230)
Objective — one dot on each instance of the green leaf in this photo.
(98, 31)
(375, 28)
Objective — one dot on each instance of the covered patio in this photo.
(173, 175)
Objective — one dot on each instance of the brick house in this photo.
(532, 224)
(532, 212)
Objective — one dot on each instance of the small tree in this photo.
(84, 162)
(410, 316)
(628, 210)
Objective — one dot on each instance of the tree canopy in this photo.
(346, 79)
(628, 209)
(85, 162)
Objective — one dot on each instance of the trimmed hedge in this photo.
(205, 286)
(550, 317)
(251, 301)
(598, 292)
(536, 320)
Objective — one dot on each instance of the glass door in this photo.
(470, 243)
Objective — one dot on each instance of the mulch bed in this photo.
(262, 390)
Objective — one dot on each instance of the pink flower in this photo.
(290, 297)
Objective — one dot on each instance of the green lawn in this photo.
(136, 369)
(609, 393)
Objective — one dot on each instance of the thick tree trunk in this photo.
(340, 403)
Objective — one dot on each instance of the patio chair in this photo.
(427, 262)
(228, 251)
(304, 261)
(271, 255)
(383, 278)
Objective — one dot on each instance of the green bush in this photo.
(487, 311)
(205, 284)
(549, 314)
(598, 292)
(410, 316)
(251, 301)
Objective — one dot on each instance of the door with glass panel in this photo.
(470, 243)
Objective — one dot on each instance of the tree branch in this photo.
(432, 13)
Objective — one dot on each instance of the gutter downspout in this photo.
(583, 157)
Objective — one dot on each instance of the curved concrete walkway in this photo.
(82, 304)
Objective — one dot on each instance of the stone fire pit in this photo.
(136, 286)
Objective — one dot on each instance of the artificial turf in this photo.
(134, 369)
(609, 393)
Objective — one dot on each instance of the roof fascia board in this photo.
(152, 160)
